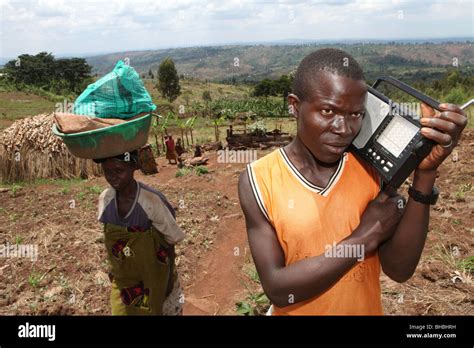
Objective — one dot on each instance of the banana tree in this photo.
(216, 123)
(182, 128)
(189, 125)
(164, 129)
(197, 109)
(156, 130)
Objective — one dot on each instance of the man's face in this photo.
(331, 116)
(118, 173)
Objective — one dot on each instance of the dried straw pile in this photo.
(29, 150)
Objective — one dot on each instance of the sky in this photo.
(88, 27)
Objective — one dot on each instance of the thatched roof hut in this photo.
(29, 150)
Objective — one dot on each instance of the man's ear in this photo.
(293, 104)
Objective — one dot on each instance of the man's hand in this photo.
(380, 219)
(449, 125)
(400, 254)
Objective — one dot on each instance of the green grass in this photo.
(18, 105)
(191, 91)
(64, 190)
(256, 302)
(76, 187)
(18, 240)
(95, 190)
(53, 182)
(449, 258)
(62, 182)
(252, 273)
(14, 189)
(13, 217)
(34, 279)
(182, 172)
(253, 304)
(467, 264)
(200, 170)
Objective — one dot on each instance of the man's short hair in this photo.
(327, 59)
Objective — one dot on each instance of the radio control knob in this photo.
(385, 169)
(382, 162)
(422, 148)
(389, 164)
(377, 158)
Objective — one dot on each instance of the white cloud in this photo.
(89, 26)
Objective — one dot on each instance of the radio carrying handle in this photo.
(409, 90)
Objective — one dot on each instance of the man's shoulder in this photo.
(266, 162)
(363, 166)
(267, 171)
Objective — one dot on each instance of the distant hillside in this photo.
(248, 63)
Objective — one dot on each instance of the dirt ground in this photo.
(214, 262)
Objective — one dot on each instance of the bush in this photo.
(182, 172)
(456, 96)
(200, 170)
(257, 128)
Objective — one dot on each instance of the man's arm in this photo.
(399, 256)
(285, 285)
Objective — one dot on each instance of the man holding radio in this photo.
(311, 207)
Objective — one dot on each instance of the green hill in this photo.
(249, 63)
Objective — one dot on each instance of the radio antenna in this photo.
(466, 105)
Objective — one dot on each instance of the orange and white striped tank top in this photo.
(307, 218)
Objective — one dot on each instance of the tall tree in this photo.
(284, 88)
(265, 88)
(206, 96)
(150, 74)
(44, 71)
(168, 80)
